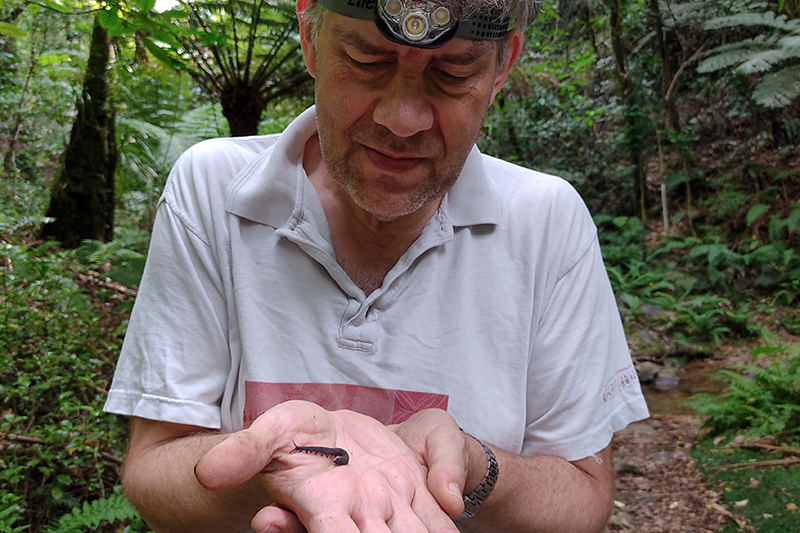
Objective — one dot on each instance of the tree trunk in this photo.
(632, 109)
(82, 198)
(242, 106)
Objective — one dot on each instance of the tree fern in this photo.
(760, 55)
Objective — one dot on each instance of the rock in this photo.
(650, 309)
(667, 380)
(649, 427)
(627, 468)
(662, 457)
(647, 371)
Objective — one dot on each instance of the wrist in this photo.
(481, 475)
(476, 463)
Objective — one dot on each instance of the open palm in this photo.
(382, 488)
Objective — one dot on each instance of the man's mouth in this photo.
(393, 163)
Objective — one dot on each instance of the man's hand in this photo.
(382, 488)
(532, 493)
(439, 444)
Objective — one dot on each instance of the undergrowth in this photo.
(58, 349)
(760, 401)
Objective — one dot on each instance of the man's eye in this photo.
(447, 77)
(368, 66)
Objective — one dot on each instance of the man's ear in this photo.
(306, 42)
(513, 49)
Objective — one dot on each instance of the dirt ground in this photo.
(658, 488)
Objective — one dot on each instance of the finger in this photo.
(338, 523)
(447, 471)
(276, 520)
(405, 522)
(248, 452)
(433, 518)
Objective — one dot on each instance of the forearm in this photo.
(542, 494)
(159, 481)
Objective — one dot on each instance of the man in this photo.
(323, 311)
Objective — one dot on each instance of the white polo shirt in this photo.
(501, 311)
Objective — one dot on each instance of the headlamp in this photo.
(420, 23)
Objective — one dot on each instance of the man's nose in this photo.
(403, 107)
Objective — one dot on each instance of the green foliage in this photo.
(759, 401)
(769, 493)
(760, 54)
(645, 279)
(112, 509)
(56, 361)
(545, 118)
(119, 259)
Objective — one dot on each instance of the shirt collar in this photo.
(270, 189)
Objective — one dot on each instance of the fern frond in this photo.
(764, 61)
(733, 54)
(791, 42)
(751, 19)
(112, 509)
(741, 386)
(142, 126)
(778, 89)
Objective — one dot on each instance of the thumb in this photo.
(233, 461)
(447, 472)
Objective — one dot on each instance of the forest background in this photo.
(679, 123)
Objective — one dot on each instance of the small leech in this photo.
(339, 456)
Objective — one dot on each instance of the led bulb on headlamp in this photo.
(441, 15)
(393, 7)
(415, 25)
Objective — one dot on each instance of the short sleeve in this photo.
(583, 384)
(175, 359)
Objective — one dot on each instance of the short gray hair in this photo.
(522, 13)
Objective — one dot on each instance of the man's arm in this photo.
(543, 493)
(539, 494)
(184, 480)
(159, 481)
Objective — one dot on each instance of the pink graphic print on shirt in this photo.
(388, 406)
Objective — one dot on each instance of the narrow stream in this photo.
(695, 377)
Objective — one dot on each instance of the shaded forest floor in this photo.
(659, 489)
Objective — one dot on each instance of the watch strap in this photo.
(474, 499)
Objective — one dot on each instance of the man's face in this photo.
(396, 123)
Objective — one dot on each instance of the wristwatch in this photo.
(474, 499)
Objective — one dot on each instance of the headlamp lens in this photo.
(415, 26)
(393, 7)
(441, 15)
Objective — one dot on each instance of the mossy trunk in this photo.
(82, 198)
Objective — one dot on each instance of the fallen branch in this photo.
(657, 357)
(721, 509)
(789, 461)
(116, 287)
(35, 440)
(762, 446)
